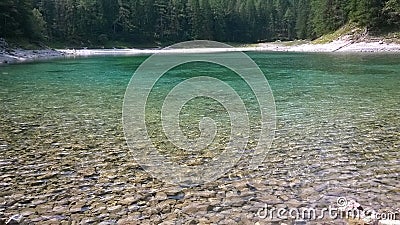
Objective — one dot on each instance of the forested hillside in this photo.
(96, 22)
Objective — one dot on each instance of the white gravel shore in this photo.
(335, 46)
(19, 55)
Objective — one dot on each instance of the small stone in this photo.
(15, 220)
(235, 201)
(206, 194)
(103, 216)
(114, 208)
(217, 209)
(161, 196)
(129, 200)
(37, 202)
(164, 206)
(284, 197)
(60, 210)
(133, 207)
(89, 220)
(170, 217)
(42, 209)
(75, 209)
(192, 222)
(107, 223)
(156, 219)
(204, 221)
(270, 199)
(47, 176)
(176, 196)
(127, 220)
(27, 212)
(194, 208)
(227, 221)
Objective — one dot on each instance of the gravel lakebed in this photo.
(64, 159)
(47, 178)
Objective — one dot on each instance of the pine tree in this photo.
(9, 24)
(249, 19)
(367, 12)
(392, 12)
(195, 19)
(17, 19)
(317, 17)
(281, 7)
(221, 15)
(207, 20)
(302, 20)
(39, 23)
(290, 23)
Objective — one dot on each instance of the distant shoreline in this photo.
(11, 56)
(340, 46)
(343, 46)
(335, 46)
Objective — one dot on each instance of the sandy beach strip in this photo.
(342, 46)
(335, 46)
(89, 52)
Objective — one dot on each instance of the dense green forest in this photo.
(96, 22)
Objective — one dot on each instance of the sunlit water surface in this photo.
(61, 137)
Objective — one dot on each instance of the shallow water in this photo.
(64, 156)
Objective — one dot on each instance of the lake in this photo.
(64, 155)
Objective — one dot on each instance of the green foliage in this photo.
(39, 23)
(328, 15)
(88, 23)
(17, 19)
(367, 12)
(392, 11)
(207, 20)
(302, 28)
(9, 26)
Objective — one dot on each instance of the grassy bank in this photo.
(356, 33)
(348, 29)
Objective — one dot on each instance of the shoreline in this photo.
(11, 56)
(339, 46)
(332, 47)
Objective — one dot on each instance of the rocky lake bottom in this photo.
(64, 159)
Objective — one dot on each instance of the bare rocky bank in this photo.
(9, 54)
(343, 44)
(335, 46)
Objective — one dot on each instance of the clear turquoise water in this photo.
(338, 123)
